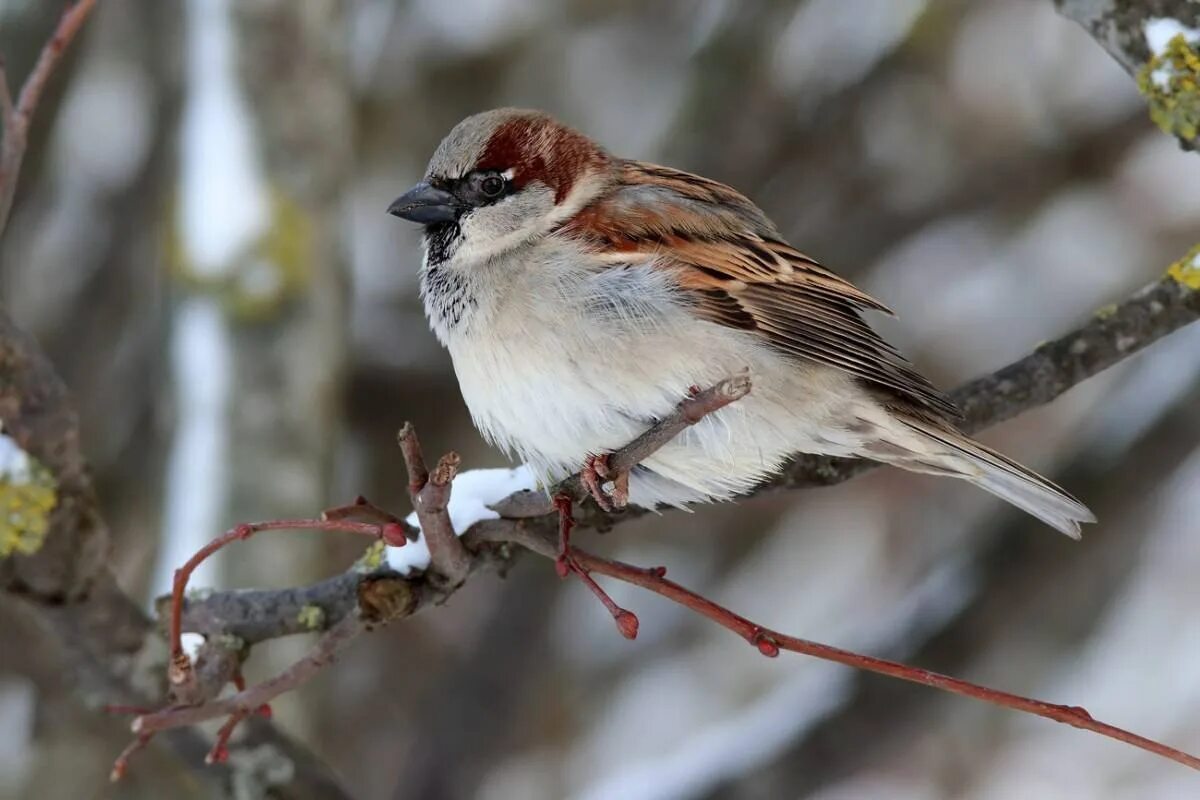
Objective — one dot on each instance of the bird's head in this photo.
(501, 179)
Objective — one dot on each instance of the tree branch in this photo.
(528, 521)
(768, 642)
(430, 495)
(1166, 78)
(16, 119)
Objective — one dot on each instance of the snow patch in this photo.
(471, 499)
(16, 466)
(191, 643)
(1160, 31)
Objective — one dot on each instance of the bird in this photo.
(581, 295)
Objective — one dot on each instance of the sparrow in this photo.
(581, 295)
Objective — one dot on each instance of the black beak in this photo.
(425, 204)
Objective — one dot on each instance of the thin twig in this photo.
(330, 643)
(414, 459)
(121, 764)
(770, 642)
(18, 118)
(363, 509)
(181, 673)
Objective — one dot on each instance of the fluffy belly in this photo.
(552, 397)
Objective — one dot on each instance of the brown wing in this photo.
(731, 261)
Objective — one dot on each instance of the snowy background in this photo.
(201, 245)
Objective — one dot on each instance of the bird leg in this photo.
(566, 564)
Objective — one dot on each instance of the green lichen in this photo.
(28, 493)
(311, 617)
(1187, 269)
(1170, 82)
(1104, 312)
(372, 557)
(230, 642)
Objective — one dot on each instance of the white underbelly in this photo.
(551, 395)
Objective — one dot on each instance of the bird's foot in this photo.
(608, 487)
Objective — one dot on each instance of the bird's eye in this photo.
(492, 186)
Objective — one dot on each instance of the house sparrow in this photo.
(580, 296)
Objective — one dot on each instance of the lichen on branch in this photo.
(1186, 270)
(1170, 82)
(28, 493)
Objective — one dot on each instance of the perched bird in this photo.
(581, 295)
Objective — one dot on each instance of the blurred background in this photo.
(200, 244)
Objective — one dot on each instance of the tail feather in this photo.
(965, 458)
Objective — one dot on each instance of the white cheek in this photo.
(485, 238)
(489, 231)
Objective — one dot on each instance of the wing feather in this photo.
(732, 264)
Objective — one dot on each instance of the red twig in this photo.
(219, 753)
(121, 765)
(258, 697)
(17, 118)
(770, 642)
(364, 509)
(566, 564)
(180, 673)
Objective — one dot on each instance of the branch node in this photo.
(766, 645)
(394, 535)
(446, 469)
(627, 623)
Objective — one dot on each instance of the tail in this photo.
(948, 452)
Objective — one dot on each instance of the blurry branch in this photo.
(1168, 79)
(16, 118)
(60, 577)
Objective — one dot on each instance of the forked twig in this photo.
(255, 698)
(430, 495)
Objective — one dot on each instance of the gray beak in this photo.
(425, 204)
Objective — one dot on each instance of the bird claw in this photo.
(608, 488)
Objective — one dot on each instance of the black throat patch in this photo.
(448, 294)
